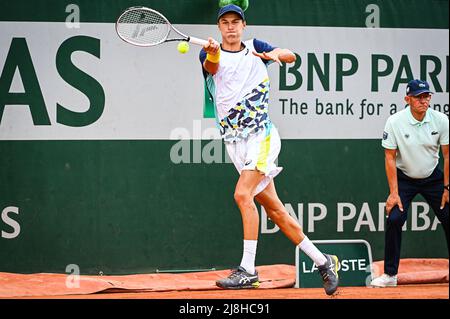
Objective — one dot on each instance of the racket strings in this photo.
(143, 27)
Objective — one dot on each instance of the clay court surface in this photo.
(417, 279)
(430, 291)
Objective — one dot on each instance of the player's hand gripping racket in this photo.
(146, 27)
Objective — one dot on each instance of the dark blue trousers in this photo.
(431, 188)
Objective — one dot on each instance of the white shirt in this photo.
(417, 142)
(240, 89)
(239, 73)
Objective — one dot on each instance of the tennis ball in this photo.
(241, 3)
(183, 47)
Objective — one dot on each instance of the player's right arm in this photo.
(212, 61)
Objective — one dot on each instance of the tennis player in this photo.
(236, 75)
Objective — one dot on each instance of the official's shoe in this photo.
(329, 273)
(239, 279)
(384, 281)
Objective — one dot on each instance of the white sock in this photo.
(248, 257)
(309, 249)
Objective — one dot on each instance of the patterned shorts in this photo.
(258, 151)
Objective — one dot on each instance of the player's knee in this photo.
(243, 198)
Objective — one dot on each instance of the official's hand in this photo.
(444, 198)
(268, 56)
(393, 200)
(212, 47)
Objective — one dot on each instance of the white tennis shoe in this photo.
(384, 281)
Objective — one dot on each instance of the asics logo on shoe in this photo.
(332, 269)
(244, 280)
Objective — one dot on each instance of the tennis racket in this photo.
(146, 27)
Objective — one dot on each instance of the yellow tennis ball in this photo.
(183, 47)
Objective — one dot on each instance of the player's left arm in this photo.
(278, 55)
(268, 52)
(445, 195)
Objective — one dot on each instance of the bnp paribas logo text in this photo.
(335, 72)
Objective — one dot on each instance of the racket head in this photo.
(143, 27)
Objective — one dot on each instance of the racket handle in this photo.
(198, 41)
